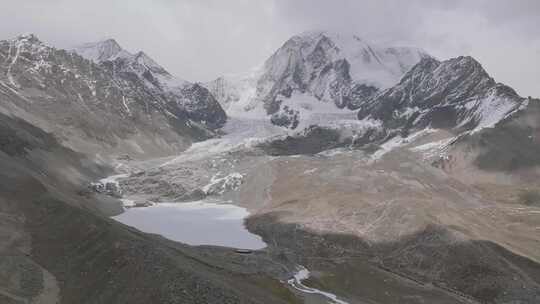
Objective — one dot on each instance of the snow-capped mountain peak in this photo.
(104, 50)
(322, 67)
(369, 63)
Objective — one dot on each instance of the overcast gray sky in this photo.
(201, 39)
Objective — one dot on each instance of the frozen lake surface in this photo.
(195, 223)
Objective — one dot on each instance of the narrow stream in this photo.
(302, 274)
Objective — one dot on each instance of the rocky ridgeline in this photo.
(115, 104)
(452, 94)
(178, 97)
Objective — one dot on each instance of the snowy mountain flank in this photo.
(120, 102)
(452, 94)
(314, 73)
(323, 80)
(179, 96)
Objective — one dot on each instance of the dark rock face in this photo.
(311, 141)
(481, 271)
(199, 105)
(358, 94)
(315, 139)
(286, 117)
(113, 189)
(18, 141)
(456, 93)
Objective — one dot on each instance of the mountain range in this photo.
(113, 102)
(394, 176)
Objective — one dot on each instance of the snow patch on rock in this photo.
(434, 148)
(398, 141)
(219, 185)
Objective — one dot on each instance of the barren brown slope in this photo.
(404, 215)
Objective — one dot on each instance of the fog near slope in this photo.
(200, 40)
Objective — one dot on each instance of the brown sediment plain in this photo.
(405, 216)
(406, 226)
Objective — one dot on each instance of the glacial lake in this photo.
(195, 223)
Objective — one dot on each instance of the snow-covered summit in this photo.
(369, 63)
(103, 50)
(329, 69)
